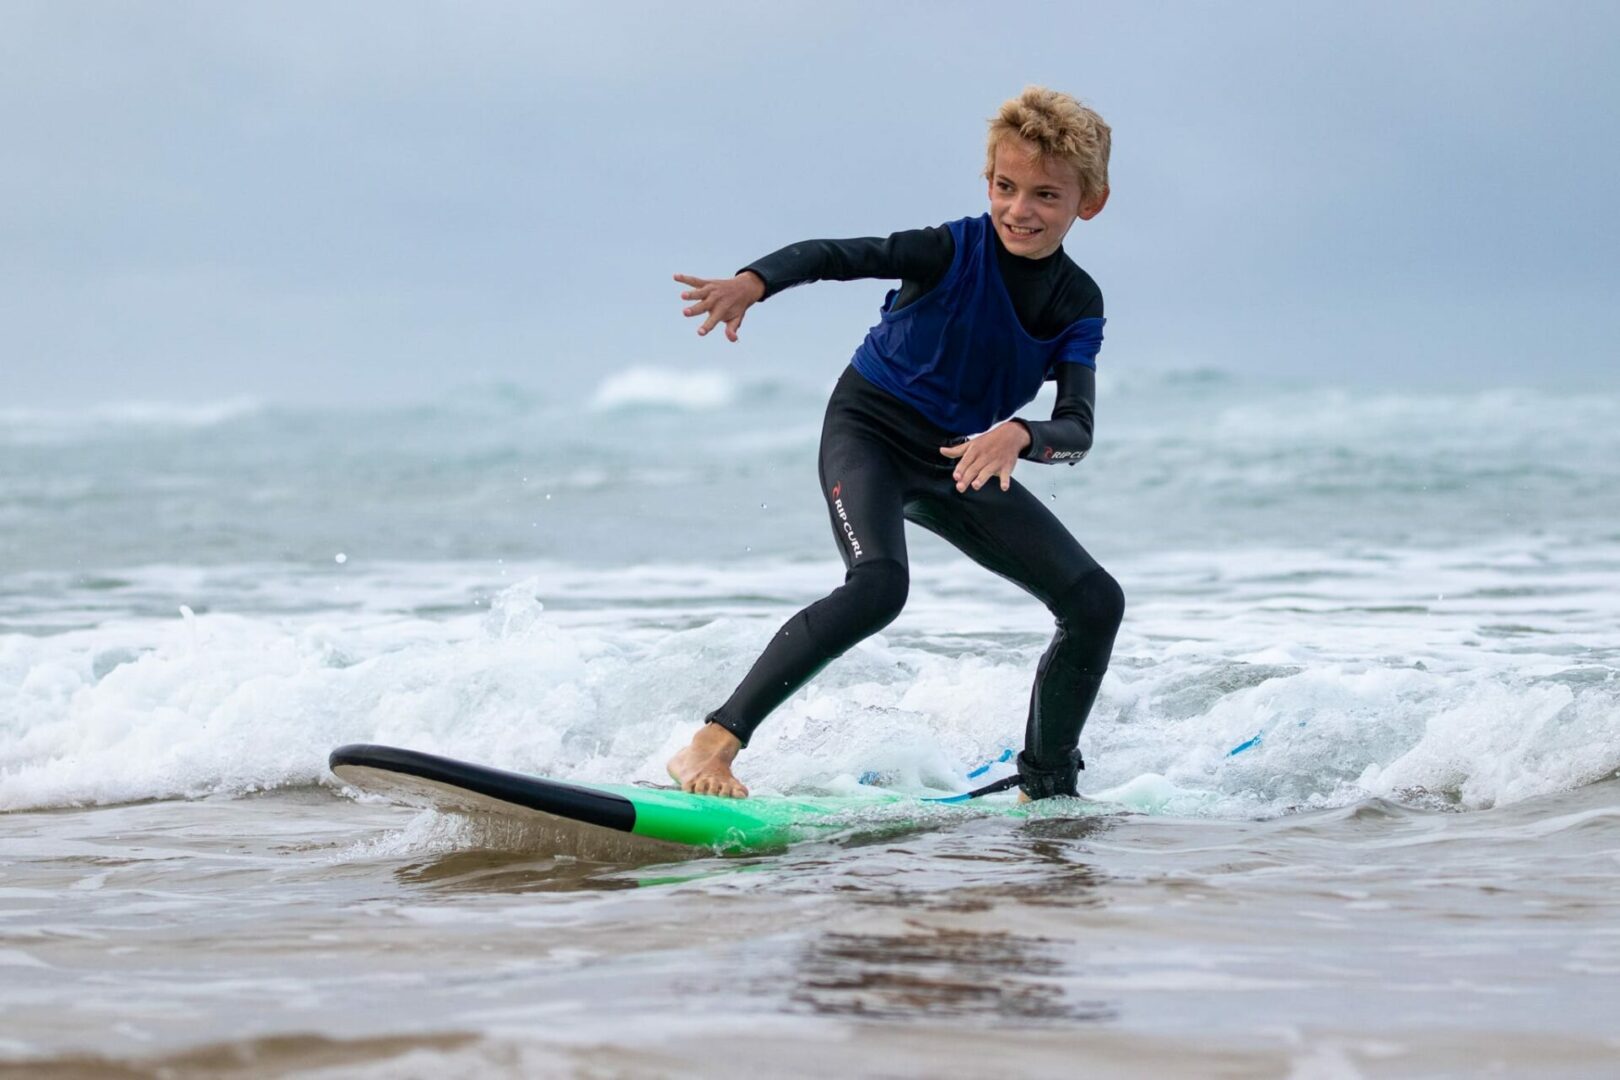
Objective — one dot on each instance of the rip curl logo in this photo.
(1062, 455)
(843, 519)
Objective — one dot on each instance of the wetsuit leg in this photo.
(1013, 535)
(864, 491)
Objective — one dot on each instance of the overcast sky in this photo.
(316, 202)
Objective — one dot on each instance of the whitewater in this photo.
(1360, 740)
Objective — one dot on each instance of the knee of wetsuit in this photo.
(1042, 782)
(1095, 601)
(871, 596)
(881, 585)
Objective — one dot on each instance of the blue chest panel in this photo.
(958, 355)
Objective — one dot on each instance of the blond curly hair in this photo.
(1061, 128)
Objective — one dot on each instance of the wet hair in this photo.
(1061, 128)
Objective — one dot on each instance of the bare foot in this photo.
(704, 767)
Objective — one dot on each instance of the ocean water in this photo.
(1403, 607)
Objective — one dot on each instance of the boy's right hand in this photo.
(724, 300)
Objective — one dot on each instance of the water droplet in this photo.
(548, 496)
(340, 558)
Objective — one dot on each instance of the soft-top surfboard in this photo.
(664, 816)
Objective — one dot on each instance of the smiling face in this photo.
(1034, 199)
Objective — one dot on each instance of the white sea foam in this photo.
(20, 425)
(1357, 676)
(660, 388)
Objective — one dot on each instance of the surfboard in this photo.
(665, 817)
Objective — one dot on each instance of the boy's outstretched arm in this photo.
(920, 256)
(916, 255)
(723, 300)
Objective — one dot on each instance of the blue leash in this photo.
(989, 789)
(1249, 744)
(1006, 755)
(973, 774)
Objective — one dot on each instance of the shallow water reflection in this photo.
(930, 973)
(486, 871)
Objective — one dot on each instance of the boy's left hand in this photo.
(992, 454)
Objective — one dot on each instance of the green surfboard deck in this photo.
(767, 821)
(664, 816)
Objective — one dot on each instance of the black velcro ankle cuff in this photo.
(1039, 783)
(730, 725)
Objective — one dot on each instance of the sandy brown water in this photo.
(302, 933)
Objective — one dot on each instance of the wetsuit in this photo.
(904, 396)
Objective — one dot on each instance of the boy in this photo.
(988, 308)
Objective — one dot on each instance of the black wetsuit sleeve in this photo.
(1067, 436)
(921, 256)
